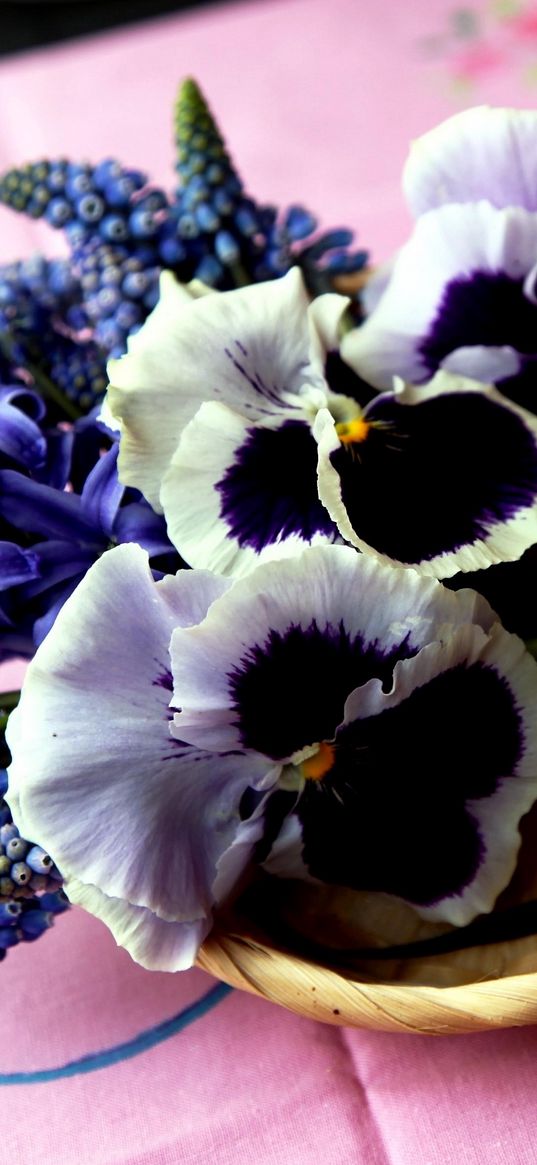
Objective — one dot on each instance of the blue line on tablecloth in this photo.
(140, 1043)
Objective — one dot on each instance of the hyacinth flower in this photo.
(53, 536)
(399, 716)
(462, 292)
(238, 424)
(122, 231)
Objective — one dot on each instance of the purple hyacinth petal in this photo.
(237, 494)
(21, 439)
(457, 457)
(56, 561)
(271, 665)
(24, 399)
(129, 810)
(41, 509)
(17, 565)
(481, 153)
(102, 492)
(137, 522)
(457, 283)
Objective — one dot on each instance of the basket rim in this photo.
(325, 993)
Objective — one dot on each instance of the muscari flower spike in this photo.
(232, 239)
(44, 330)
(122, 232)
(396, 716)
(30, 884)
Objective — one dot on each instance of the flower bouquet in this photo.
(269, 536)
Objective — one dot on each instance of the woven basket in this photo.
(263, 946)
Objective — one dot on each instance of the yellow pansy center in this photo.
(353, 432)
(319, 763)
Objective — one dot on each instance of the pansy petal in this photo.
(271, 665)
(457, 283)
(254, 349)
(236, 493)
(429, 782)
(479, 153)
(98, 780)
(152, 942)
(445, 480)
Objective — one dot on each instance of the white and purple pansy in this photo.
(398, 718)
(238, 422)
(216, 399)
(146, 828)
(442, 478)
(462, 292)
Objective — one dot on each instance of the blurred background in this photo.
(27, 24)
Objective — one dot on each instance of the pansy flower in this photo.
(397, 715)
(239, 424)
(462, 292)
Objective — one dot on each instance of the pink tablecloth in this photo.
(105, 1063)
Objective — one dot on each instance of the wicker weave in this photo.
(333, 997)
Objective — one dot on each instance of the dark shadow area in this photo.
(27, 24)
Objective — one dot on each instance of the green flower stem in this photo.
(42, 381)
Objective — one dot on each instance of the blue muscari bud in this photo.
(206, 218)
(108, 335)
(5, 815)
(3, 780)
(209, 270)
(9, 912)
(16, 849)
(77, 184)
(135, 284)
(114, 228)
(8, 937)
(143, 224)
(7, 832)
(90, 207)
(108, 299)
(111, 276)
(119, 191)
(58, 212)
(172, 252)
(34, 922)
(38, 860)
(55, 902)
(226, 248)
(223, 202)
(20, 873)
(299, 223)
(187, 227)
(105, 172)
(76, 233)
(128, 314)
(56, 177)
(245, 221)
(155, 200)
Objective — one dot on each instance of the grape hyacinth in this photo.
(30, 884)
(44, 331)
(122, 232)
